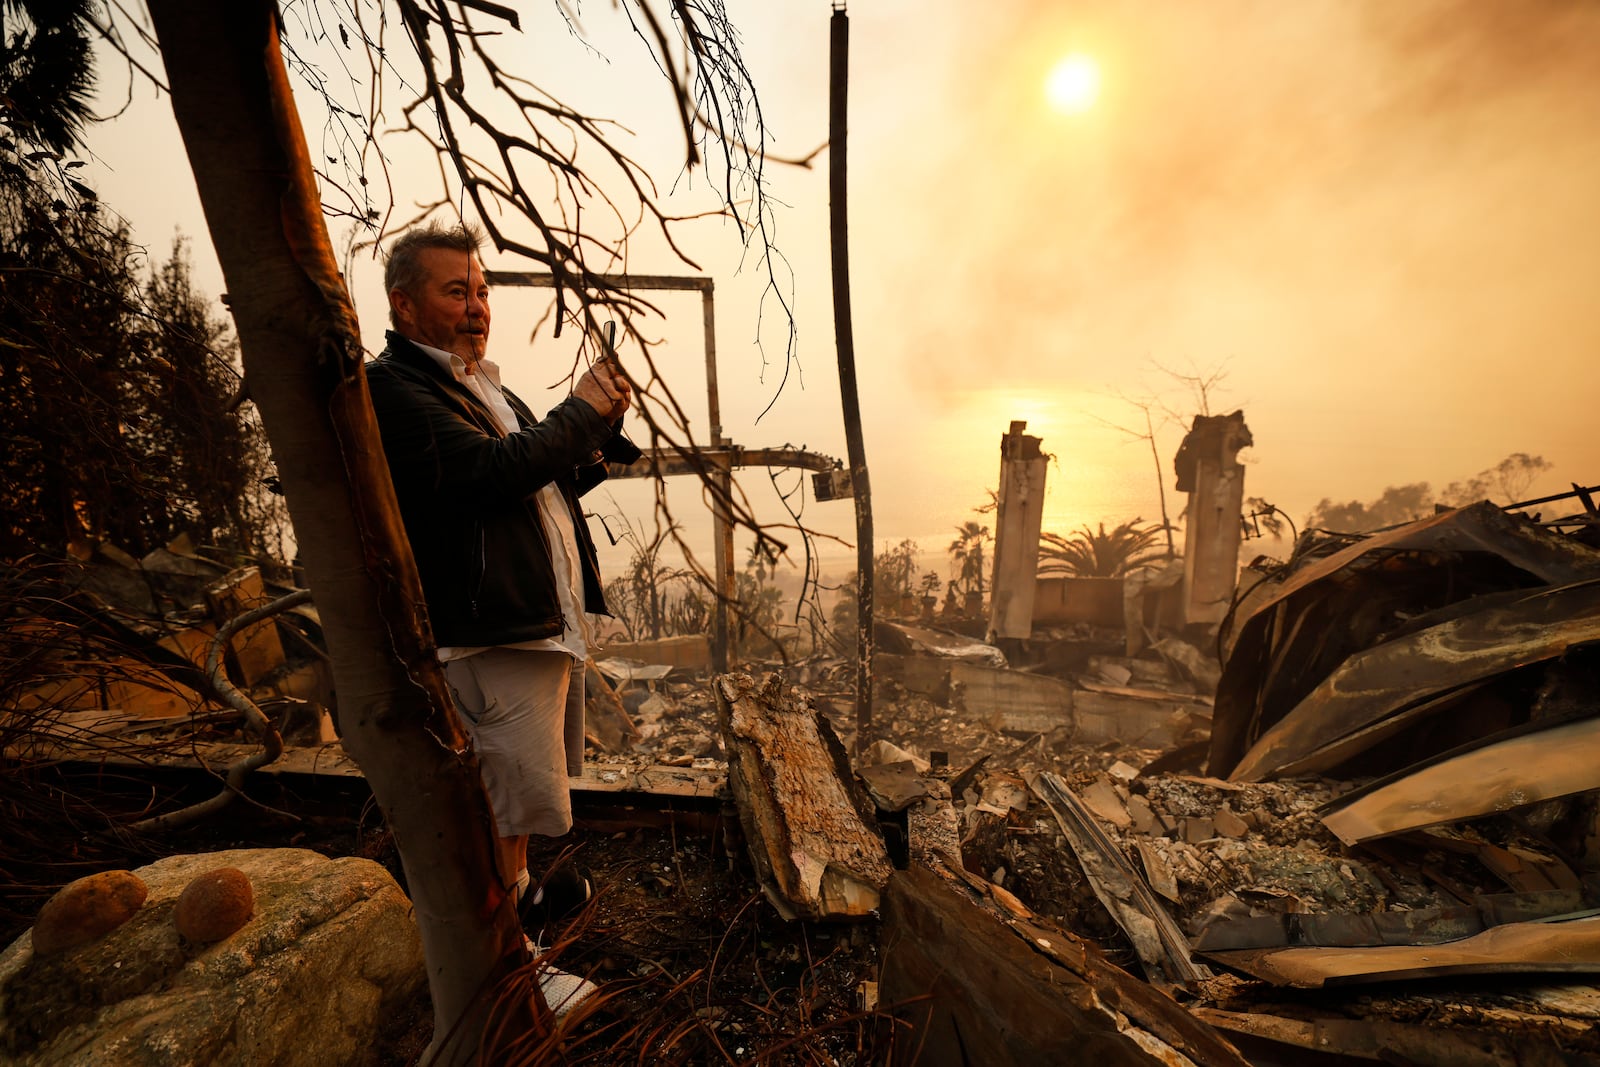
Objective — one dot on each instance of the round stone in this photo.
(214, 905)
(87, 909)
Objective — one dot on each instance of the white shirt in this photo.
(560, 529)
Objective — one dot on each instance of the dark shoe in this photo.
(564, 891)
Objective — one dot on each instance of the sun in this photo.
(1073, 84)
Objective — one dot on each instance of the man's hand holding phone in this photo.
(604, 385)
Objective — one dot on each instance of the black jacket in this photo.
(466, 495)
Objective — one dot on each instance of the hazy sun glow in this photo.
(1073, 84)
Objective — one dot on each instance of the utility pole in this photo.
(844, 339)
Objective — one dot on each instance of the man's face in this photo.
(450, 307)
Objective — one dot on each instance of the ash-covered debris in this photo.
(1382, 788)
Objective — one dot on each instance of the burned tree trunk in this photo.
(302, 359)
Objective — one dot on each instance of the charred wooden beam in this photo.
(968, 987)
(812, 836)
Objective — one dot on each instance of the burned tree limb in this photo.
(814, 846)
(271, 740)
(607, 722)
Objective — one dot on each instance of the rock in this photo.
(331, 953)
(214, 905)
(87, 909)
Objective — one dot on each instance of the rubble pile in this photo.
(1311, 828)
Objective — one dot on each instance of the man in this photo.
(489, 496)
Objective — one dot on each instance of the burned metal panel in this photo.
(1372, 685)
(1532, 766)
(908, 640)
(1480, 527)
(1422, 926)
(1288, 641)
(1324, 759)
(1515, 948)
(1161, 945)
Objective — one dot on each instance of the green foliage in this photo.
(1397, 504)
(894, 573)
(1087, 553)
(759, 613)
(642, 599)
(1505, 483)
(46, 71)
(967, 558)
(119, 392)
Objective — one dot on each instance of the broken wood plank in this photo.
(1529, 767)
(1549, 947)
(814, 844)
(1525, 871)
(1387, 1041)
(972, 988)
(690, 783)
(1160, 944)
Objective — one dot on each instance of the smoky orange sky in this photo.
(1379, 220)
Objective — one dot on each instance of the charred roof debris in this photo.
(1295, 821)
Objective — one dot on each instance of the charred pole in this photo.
(844, 339)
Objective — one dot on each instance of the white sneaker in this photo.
(561, 991)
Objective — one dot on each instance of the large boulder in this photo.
(330, 949)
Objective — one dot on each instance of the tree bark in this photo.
(303, 365)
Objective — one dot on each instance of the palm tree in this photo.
(966, 552)
(46, 70)
(1087, 553)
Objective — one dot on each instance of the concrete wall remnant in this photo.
(1209, 471)
(1018, 520)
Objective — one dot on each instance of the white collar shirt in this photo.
(560, 528)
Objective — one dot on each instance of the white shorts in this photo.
(524, 711)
